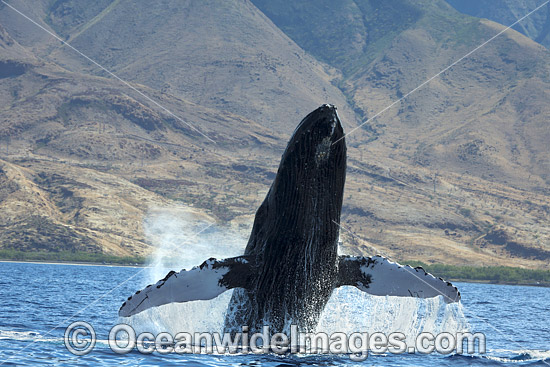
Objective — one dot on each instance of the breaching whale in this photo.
(290, 265)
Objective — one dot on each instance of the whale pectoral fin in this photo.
(381, 277)
(207, 281)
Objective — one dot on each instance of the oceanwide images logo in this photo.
(80, 339)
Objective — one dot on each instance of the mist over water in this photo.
(183, 240)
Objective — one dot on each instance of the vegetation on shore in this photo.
(490, 274)
(69, 256)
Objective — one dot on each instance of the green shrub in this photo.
(69, 256)
(497, 274)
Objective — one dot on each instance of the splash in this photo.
(351, 310)
(184, 239)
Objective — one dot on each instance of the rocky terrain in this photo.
(536, 26)
(456, 173)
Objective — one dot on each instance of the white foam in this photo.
(27, 336)
(190, 317)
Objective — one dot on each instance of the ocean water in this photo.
(39, 301)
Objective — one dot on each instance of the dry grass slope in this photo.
(457, 174)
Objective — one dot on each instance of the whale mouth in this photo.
(320, 133)
(317, 143)
(326, 116)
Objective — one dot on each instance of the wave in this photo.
(27, 336)
(504, 357)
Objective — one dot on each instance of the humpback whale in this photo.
(290, 265)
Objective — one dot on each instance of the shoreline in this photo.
(73, 263)
(481, 281)
(81, 263)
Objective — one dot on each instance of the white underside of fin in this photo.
(200, 283)
(389, 278)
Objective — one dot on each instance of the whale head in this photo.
(308, 189)
(318, 137)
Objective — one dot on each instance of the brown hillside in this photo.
(458, 173)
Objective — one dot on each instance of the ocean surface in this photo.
(39, 301)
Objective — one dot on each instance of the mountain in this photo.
(507, 12)
(478, 118)
(485, 119)
(223, 55)
(457, 172)
(80, 157)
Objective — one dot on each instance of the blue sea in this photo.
(39, 301)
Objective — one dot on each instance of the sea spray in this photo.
(350, 310)
(183, 239)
